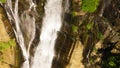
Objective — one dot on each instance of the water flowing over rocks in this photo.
(86, 40)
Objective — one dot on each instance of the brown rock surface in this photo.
(3, 34)
(8, 57)
(76, 59)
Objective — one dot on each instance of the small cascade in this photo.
(52, 22)
(23, 26)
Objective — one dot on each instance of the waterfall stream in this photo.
(24, 28)
(51, 25)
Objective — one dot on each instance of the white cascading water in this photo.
(52, 22)
(23, 23)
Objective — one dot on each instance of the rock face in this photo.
(9, 56)
(3, 34)
(76, 58)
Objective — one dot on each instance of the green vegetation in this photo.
(111, 62)
(100, 36)
(74, 28)
(5, 45)
(91, 60)
(73, 13)
(89, 5)
(2, 1)
(89, 25)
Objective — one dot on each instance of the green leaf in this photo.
(74, 28)
(111, 63)
(2, 1)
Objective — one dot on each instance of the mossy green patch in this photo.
(2, 1)
(89, 5)
(5, 45)
(74, 28)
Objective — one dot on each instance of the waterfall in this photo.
(23, 26)
(52, 22)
